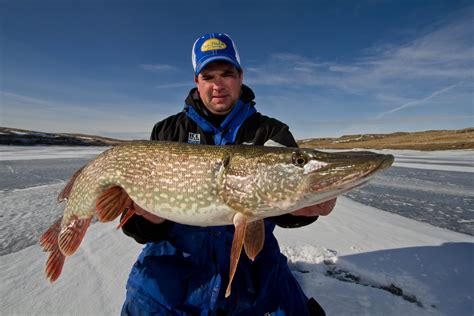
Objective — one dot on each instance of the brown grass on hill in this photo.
(16, 136)
(427, 140)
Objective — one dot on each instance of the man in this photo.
(183, 269)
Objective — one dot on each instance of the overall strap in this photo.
(227, 130)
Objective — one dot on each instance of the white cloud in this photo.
(399, 76)
(4, 96)
(391, 120)
(41, 114)
(420, 101)
(339, 127)
(157, 67)
(343, 68)
(189, 84)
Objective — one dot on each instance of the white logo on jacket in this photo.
(194, 138)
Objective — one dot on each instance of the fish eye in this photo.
(300, 159)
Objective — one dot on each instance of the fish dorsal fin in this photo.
(254, 238)
(272, 143)
(66, 191)
(240, 224)
(49, 243)
(72, 234)
(111, 203)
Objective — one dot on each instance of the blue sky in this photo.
(326, 68)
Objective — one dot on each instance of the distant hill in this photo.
(15, 136)
(428, 140)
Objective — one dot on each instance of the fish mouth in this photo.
(348, 172)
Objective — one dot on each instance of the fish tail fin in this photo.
(111, 203)
(49, 243)
(71, 235)
(66, 191)
(60, 242)
(54, 264)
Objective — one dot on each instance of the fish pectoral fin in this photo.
(240, 224)
(111, 203)
(254, 238)
(71, 236)
(66, 191)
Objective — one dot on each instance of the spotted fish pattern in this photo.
(202, 185)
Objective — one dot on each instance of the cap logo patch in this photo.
(213, 44)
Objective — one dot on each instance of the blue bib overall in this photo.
(187, 273)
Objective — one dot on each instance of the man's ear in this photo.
(195, 79)
(241, 77)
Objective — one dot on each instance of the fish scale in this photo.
(203, 185)
(165, 178)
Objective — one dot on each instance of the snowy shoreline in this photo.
(348, 261)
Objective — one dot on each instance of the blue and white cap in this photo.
(212, 47)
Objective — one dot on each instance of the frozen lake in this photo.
(432, 187)
(441, 198)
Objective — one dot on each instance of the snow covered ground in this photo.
(360, 260)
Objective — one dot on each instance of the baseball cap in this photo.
(212, 47)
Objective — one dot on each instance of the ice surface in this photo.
(442, 198)
(47, 152)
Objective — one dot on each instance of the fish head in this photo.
(325, 175)
(282, 180)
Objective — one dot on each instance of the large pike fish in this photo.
(203, 186)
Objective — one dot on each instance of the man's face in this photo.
(219, 85)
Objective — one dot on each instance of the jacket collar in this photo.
(223, 127)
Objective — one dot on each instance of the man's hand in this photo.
(147, 215)
(322, 209)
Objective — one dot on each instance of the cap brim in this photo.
(209, 60)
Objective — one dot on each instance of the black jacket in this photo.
(258, 129)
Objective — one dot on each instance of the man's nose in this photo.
(218, 84)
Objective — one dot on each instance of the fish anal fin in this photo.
(240, 224)
(72, 234)
(128, 213)
(111, 203)
(66, 191)
(254, 238)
